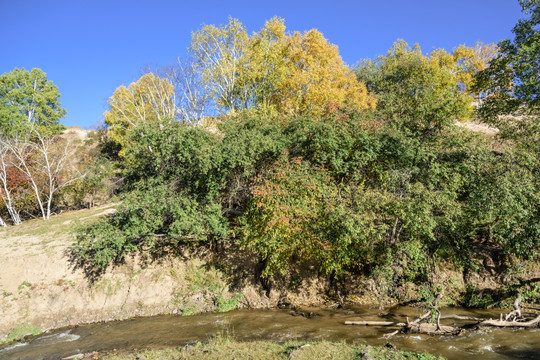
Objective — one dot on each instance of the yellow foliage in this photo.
(471, 60)
(148, 100)
(318, 78)
(295, 74)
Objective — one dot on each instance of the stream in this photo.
(279, 326)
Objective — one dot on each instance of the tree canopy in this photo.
(148, 100)
(293, 74)
(26, 98)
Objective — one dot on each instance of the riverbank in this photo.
(43, 288)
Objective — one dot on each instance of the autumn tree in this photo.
(319, 77)
(293, 74)
(469, 61)
(418, 93)
(150, 99)
(32, 154)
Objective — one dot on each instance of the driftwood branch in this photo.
(504, 323)
(375, 323)
(517, 310)
(515, 318)
(461, 317)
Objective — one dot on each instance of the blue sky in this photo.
(88, 48)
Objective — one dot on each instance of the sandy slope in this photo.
(38, 285)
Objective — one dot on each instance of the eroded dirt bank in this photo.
(41, 286)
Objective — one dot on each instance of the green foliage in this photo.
(502, 204)
(223, 304)
(416, 93)
(387, 192)
(147, 215)
(511, 83)
(475, 298)
(532, 295)
(185, 183)
(206, 290)
(344, 192)
(29, 98)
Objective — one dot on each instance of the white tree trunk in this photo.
(5, 192)
(44, 159)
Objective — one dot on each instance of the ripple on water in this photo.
(65, 336)
(487, 347)
(13, 346)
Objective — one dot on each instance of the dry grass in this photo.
(57, 225)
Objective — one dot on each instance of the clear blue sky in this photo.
(90, 47)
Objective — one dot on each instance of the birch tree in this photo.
(192, 97)
(30, 113)
(6, 190)
(217, 53)
(150, 99)
(46, 163)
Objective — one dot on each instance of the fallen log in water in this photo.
(461, 317)
(513, 319)
(433, 329)
(375, 323)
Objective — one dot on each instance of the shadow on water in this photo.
(278, 326)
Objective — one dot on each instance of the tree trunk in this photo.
(375, 323)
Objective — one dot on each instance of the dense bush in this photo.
(387, 192)
(338, 191)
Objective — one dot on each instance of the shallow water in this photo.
(279, 326)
